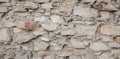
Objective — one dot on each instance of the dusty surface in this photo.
(59, 29)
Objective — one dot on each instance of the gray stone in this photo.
(68, 32)
(3, 9)
(110, 29)
(98, 46)
(4, 0)
(23, 37)
(6, 23)
(86, 30)
(84, 11)
(5, 35)
(50, 26)
(40, 45)
(31, 5)
(20, 9)
(56, 19)
(75, 57)
(21, 57)
(41, 1)
(77, 44)
(88, 1)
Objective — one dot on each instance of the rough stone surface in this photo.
(3, 9)
(98, 46)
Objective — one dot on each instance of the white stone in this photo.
(98, 46)
(56, 19)
(4, 0)
(39, 31)
(41, 19)
(23, 37)
(40, 45)
(68, 32)
(110, 29)
(47, 6)
(6, 23)
(5, 35)
(41, 1)
(86, 30)
(31, 5)
(44, 38)
(76, 43)
(50, 26)
(3, 9)
(84, 11)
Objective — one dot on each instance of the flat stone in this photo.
(68, 32)
(39, 31)
(50, 26)
(20, 9)
(77, 44)
(21, 57)
(88, 1)
(23, 37)
(98, 46)
(40, 45)
(49, 57)
(5, 35)
(6, 23)
(4, 0)
(89, 56)
(104, 14)
(85, 11)
(75, 57)
(31, 5)
(47, 6)
(110, 29)
(105, 56)
(114, 45)
(45, 38)
(86, 30)
(56, 19)
(41, 1)
(3, 9)
(109, 7)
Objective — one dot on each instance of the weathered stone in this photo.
(5, 35)
(50, 26)
(21, 57)
(6, 23)
(31, 5)
(89, 56)
(37, 57)
(114, 45)
(98, 46)
(41, 19)
(4, 0)
(56, 19)
(84, 11)
(117, 39)
(3, 9)
(39, 31)
(49, 57)
(75, 57)
(106, 39)
(41, 1)
(77, 44)
(44, 38)
(88, 1)
(110, 7)
(40, 45)
(68, 32)
(47, 6)
(86, 30)
(110, 29)
(105, 56)
(104, 14)
(23, 37)
(20, 9)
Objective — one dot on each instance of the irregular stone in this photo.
(105, 56)
(77, 44)
(47, 6)
(85, 11)
(110, 29)
(37, 57)
(117, 39)
(49, 57)
(6, 23)
(88, 1)
(68, 32)
(56, 19)
(41, 1)
(39, 31)
(4, 0)
(41, 19)
(21, 57)
(30, 5)
(66, 8)
(20, 9)
(26, 25)
(104, 14)
(75, 57)
(23, 37)
(40, 45)
(114, 45)
(89, 56)
(3, 9)
(50, 26)
(44, 38)
(86, 30)
(110, 7)
(106, 39)
(98, 46)
(5, 35)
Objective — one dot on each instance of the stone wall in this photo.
(59, 29)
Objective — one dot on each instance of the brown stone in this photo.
(117, 39)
